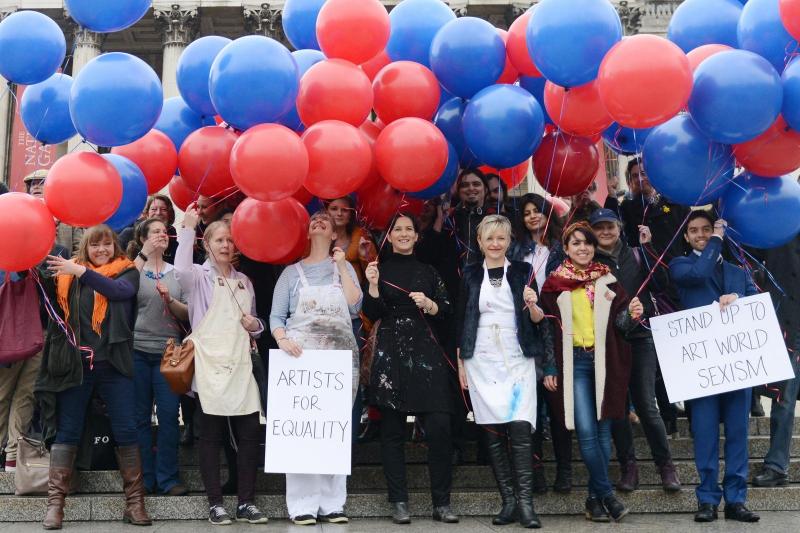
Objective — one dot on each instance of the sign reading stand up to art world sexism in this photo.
(309, 406)
(708, 350)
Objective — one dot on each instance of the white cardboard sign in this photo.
(309, 409)
(706, 350)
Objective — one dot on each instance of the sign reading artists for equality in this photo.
(309, 409)
(708, 350)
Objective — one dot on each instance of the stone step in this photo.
(374, 504)
(370, 478)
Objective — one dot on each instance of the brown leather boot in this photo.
(62, 459)
(130, 466)
(669, 477)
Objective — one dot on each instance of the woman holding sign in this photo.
(312, 307)
(222, 312)
(591, 309)
(410, 371)
(503, 335)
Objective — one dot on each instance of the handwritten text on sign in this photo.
(706, 350)
(309, 406)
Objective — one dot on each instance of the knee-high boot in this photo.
(520, 435)
(497, 448)
(130, 466)
(62, 461)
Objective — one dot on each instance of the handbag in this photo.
(21, 328)
(33, 467)
(177, 365)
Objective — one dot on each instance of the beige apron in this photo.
(223, 371)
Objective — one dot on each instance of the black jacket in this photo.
(536, 340)
(664, 219)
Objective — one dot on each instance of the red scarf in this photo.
(568, 277)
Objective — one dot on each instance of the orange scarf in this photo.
(109, 270)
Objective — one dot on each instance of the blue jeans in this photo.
(733, 410)
(781, 420)
(114, 388)
(594, 437)
(159, 469)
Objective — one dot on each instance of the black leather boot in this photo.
(497, 446)
(519, 433)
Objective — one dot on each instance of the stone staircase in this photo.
(474, 492)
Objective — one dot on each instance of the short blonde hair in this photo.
(493, 223)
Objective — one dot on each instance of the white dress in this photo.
(502, 381)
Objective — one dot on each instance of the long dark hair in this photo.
(351, 224)
(140, 235)
(554, 225)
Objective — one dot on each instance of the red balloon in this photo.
(517, 47)
(773, 153)
(355, 30)
(302, 195)
(405, 89)
(339, 159)
(377, 204)
(83, 189)
(204, 160)
(334, 90)
(27, 231)
(374, 65)
(790, 15)
(269, 162)
(156, 157)
(701, 53)
(644, 81)
(411, 154)
(565, 165)
(268, 231)
(578, 110)
(510, 73)
(180, 193)
(371, 130)
(511, 176)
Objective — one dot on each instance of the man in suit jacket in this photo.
(702, 278)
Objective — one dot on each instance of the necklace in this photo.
(152, 275)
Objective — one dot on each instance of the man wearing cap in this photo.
(630, 267)
(67, 236)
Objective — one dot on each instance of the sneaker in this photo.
(11, 466)
(334, 518)
(247, 512)
(305, 520)
(218, 516)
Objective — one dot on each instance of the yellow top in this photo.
(582, 319)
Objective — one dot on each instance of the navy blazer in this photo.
(700, 284)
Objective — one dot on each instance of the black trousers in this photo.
(213, 432)
(437, 428)
(562, 437)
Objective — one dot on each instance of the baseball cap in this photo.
(602, 215)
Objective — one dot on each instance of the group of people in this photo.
(535, 323)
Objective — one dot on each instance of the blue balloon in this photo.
(299, 19)
(568, 39)
(467, 55)
(445, 181)
(699, 22)
(134, 192)
(414, 24)
(761, 31)
(116, 98)
(503, 125)
(107, 16)
(178, 121)
(448, 119)
(684, 165)
(535, 86)
(32, 47)
(194, 67)
(253, 80)
(45, 110)
(736, 96)
(762, 212)
(791, 95)
(305, 60)
(625, 141)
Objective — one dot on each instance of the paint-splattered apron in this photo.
(502, 381)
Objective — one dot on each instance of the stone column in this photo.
(5, 116)
(86, 46)
(265, 19)
(178, 27)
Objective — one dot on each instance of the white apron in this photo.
(223, 371)
(502, 381)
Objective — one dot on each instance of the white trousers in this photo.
(315, 494)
